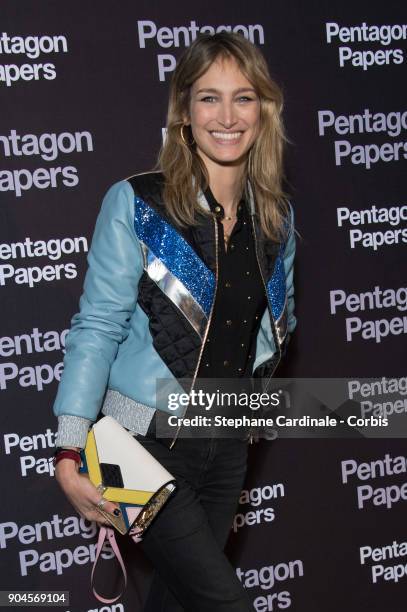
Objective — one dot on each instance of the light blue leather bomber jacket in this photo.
(149, 290)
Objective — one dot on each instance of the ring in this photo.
(101, 502)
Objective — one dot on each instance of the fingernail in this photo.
(116, 512)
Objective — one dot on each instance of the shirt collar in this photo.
(218, 209)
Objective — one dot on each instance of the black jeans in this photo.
(186, 540)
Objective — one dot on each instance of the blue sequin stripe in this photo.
(177, 255)
(276, 287)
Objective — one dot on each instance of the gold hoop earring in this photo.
(187, 144)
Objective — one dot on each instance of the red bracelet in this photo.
(67, 454)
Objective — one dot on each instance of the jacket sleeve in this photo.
(289, 255)
(115, 266)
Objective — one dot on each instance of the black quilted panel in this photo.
(174, 339)
(203, 241)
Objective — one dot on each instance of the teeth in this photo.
(227, 135)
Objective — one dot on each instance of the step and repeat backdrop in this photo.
(321, 523)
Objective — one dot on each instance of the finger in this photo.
(98, 518)
(109, 506)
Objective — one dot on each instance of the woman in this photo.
(190, 276)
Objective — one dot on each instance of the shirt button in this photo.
(228, 285)
(217, 209)
(226, 363)
(232, 246)
(228, 322)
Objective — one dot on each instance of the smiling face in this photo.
(224, 114)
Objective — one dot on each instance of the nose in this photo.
(227, 114)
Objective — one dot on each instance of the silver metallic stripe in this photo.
(175, 290)
(282, 324)
(131, 414)
(203, 202)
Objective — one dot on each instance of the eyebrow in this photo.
(236, 91)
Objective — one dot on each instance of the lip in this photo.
(226, 137)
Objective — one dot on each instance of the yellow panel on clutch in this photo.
(127, 495)
(92, 460)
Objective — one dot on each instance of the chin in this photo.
(229, 160)
(224, 157)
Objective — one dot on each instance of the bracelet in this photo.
(58, 449)
(65, 453)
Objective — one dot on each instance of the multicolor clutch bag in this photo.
(125, 473)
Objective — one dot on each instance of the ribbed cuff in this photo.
(72, 431)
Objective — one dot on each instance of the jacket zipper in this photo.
(269, 309)
(206, 329)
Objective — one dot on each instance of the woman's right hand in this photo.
(81, 493)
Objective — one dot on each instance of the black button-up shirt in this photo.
(240, 300)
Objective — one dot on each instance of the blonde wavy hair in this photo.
(185, 172)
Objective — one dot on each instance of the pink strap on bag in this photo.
(108, 532)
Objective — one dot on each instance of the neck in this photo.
(225, 184)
